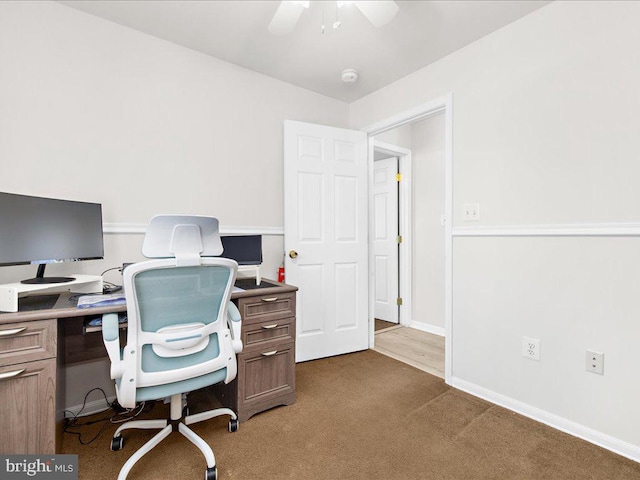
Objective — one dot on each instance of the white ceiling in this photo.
(236, 31)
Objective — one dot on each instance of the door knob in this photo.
(293, 254)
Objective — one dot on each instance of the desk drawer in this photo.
(28, 399)
(266, 379)
(27, 341)
(267, 307)
(265, 334)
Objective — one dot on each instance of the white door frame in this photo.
(438, 105)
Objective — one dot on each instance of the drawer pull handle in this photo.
(270, 299)
(269, 354)
(13, 331)
(269, 327)
(5, 375)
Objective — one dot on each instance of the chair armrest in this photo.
(234, 320)
(111, 338)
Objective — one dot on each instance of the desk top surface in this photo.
(65, 306)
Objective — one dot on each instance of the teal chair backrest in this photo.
(172, 296)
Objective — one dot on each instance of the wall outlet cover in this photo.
(594, 362)
(531, 348)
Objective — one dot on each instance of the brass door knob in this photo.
(293, 254)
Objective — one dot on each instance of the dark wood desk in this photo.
(36, 344)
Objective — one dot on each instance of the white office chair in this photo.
(183, 331)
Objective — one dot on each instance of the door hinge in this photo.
(399, 239)
(399, 301)
(398, 177)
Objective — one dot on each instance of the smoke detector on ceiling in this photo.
(349, 75)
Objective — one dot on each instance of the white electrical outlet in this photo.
(471, 212)
(594, 362)
(531, 348)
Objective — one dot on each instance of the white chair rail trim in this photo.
(140, 229)
(551, 230)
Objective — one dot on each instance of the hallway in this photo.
(419, 349)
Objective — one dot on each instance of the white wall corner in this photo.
(426, 327)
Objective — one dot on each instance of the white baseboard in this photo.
(559, 423)
(90, 407)
(425, 327)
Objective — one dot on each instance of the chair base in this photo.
(166, 428)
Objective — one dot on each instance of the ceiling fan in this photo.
(378, 12)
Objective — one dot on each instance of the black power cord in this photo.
(110, 287)
(115, 413)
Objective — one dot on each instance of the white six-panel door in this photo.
(325, 225)
(385, 239)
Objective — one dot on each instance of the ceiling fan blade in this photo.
(286, 17)
(378, 12)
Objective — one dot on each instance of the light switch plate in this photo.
(471, 212)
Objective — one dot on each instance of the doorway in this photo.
(425, 251)
(321, 298)
(401, 237)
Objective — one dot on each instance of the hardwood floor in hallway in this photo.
(419, 349)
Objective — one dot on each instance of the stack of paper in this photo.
(87, 301)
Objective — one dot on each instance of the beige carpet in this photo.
(366, 416)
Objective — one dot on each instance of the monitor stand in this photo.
(40, 279)
(37, 302)
(11, 292)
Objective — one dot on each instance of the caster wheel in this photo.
(117, 443)
(233, 425)
(211, 473)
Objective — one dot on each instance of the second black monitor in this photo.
(244, 249)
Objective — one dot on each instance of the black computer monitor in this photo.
(38, 231)
(244, 249)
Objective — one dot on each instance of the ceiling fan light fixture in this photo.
(349, 75)
(286, 17)
(378, 12)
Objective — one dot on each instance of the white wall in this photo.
(545, 133)
(427, 172)
(93, 111)
(399, 136)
